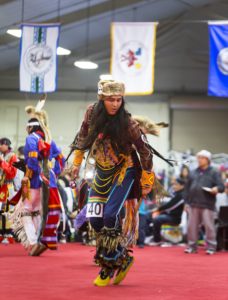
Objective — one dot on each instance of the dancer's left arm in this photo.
(146, 157)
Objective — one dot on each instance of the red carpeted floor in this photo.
(158, 274)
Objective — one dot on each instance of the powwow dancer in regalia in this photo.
(36, 216)
(7, 174)
(112, 138)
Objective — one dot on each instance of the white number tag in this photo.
(94, 210)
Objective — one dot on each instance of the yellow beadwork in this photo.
(104, 179)
(147, 179)
(78, 157)
(106, 157)
(123, 169)
(99, 192)
(2, 196)
(105, 165)
(33, 154)
(97, 200)
(50, 165)
(95, 182)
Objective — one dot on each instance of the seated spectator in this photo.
(169, 213)
(20, 152)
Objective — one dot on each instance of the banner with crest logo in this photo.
(133, 56)
(218, 69)
(38, 58)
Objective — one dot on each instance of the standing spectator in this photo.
(169, 213)
(200, 193)
(184, 173)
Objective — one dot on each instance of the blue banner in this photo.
(218, 70)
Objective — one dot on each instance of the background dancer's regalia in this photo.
(113, 137)
(7, 175)
(36, 216)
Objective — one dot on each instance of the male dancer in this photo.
(113, 137)
(36, 216)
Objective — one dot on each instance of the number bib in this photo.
(94, 210)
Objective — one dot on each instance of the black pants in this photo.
(142, 229)
(4, 230)
(159, 221)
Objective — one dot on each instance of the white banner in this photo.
(133, 56)
(38, 58)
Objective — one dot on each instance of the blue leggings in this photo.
(114, 204)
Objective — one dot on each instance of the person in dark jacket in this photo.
(200, 194)
(171, 212)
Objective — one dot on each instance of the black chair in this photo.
(222, 233)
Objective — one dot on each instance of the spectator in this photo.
(200, 193)
(222, 198)
(169, 213)
(20, 174)
(184, 173)
(143, 217)
(20, 152)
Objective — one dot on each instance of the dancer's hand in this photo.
(25, 180)
(75, 171)
(146, 191)
(214, 190)
(155, 214)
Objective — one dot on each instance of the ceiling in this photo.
(182, 38)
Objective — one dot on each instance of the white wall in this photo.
(64, 120)
(203, 129)
(199, 123)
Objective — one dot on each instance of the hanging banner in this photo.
(218, 69)
(133, 56)
(38, 58)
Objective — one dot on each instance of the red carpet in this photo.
(158, 273)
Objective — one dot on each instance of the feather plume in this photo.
(40, 114)
(148, 126)
(41, 103)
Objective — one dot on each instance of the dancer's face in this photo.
(112, 104)
(29, 129)
(3, 148)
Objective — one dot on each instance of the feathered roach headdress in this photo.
(41, 116)
(149, 126)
